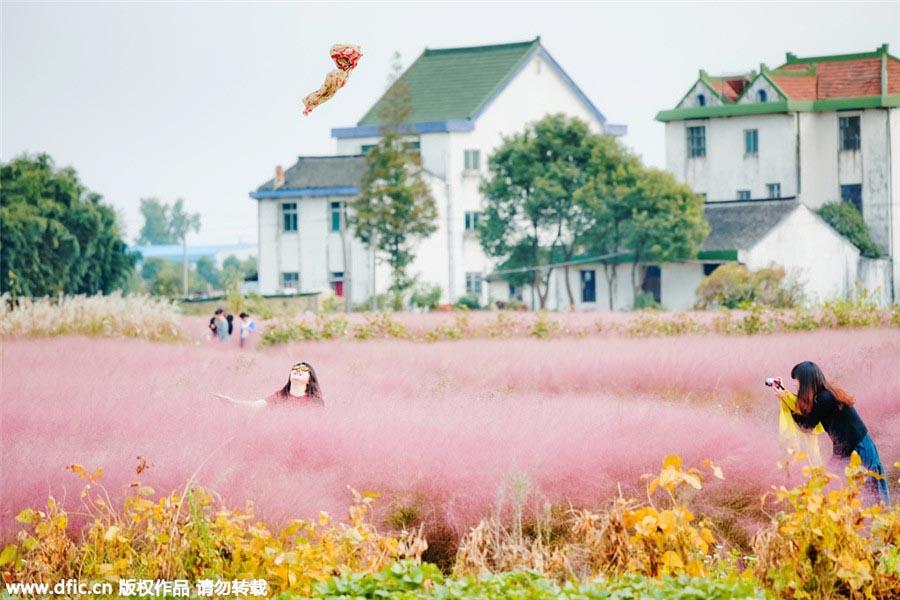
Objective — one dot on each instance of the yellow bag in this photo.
(792, 436)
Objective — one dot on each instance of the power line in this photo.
(591, 259)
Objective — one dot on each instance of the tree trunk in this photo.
(568, 257)
(635, 284)
(184, 264)
(609, 273)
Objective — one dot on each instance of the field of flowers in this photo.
(449, 434)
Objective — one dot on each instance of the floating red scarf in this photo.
(345, 57)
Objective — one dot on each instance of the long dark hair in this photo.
(313, 390)
(812, 381)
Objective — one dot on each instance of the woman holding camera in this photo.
(821, 402)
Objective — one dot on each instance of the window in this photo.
(366, 147)
(472, 160)
(337, 283)
(335, 216)
(774, 190)
(290, 282)
(696, 140)
(849, 127)
(853, 195)
(473, 283)
(743, 194)
(762, 96)
(751, 141)
(472, 218)
(588, 286)
(289, 216)
(515, 293)
(700, 100)
(710, 267)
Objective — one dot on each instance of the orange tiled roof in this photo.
(851, 78)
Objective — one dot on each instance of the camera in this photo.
(774, 382)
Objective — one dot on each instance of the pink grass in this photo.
(444, 426)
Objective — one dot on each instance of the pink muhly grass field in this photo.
(445, 428)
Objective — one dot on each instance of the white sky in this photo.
(201, 100)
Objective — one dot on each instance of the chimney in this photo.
(279, 177)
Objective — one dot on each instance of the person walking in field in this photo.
(247, 327)
(221, 325)
(818, 401)
(301, 390)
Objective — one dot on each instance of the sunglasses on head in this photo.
(303, 368)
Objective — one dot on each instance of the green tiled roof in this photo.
(454, 83)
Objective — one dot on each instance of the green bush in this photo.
(733, 286)
(645, 300)
(846, 220)
(469, 302)
(426, 296)
(409, 580)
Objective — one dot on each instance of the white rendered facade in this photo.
(451, 257)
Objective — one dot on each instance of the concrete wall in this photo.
(451, 252)
(760, 83)
(807, 247)
(726, 168)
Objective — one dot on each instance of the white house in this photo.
(819, 130)
(464, 101)
(753, 233)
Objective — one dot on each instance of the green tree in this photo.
(846, 220)
(613, 172)
(534, 180)
(180, 224)
(209, 272)
(57, 237)
(666, 222)
(395, 208)
(157, 227)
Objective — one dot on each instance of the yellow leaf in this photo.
(672, 460)
(671, 561)
(9, 554)
(26, 516)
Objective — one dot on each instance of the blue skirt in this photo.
(868, 453)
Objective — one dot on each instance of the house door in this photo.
(652, 282)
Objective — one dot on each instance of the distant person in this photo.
(213, 325)
(222, 332)
(247, 327)
(302, 389)
(821, 402)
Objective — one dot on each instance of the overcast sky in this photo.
(201, 100)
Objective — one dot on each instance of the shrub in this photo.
(846, 220)
(469, 302)
(826, 544)
(645, 300)
(733, 286)
(144, 317)
(426, 296)
(189, 536)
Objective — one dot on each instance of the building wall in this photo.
(824, 261)
(451, 252)
(825, 167)
(691, 100)
(760, 83)
(894, 206)
(314, 251)
(679, 284)
(726, 168)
